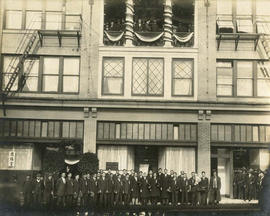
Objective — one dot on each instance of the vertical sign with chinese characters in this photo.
(11, 159)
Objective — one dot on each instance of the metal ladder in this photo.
(28, 45)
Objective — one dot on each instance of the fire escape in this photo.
(29, 44)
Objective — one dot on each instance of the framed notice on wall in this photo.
(11, 159)
(112, 165)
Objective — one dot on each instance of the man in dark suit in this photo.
(184, 189)
(84, 190)
(165, 184)
(109, 191)
(102, 190)
(126, 190)
(92, 188)
(118, 191)
(27, 191)
(61, 190)
(193, 189)
(215, 185)
(38, 187)
(174, 186)
(49, 191)
(69, 190)
(250, 184)
(204, 185)
(76, 190)
(144, 189)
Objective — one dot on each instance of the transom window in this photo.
(147, 77)
(182, 77)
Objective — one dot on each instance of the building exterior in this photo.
(176, 84)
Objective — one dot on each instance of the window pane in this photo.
(33, 5)
(113, 85)
(73, 6)
(263, 88)
(13, 4)
(31, 84)
(155, 82)
(139, 79)
(72, 22)
(255, 133)
(244, 7)
(244, 25)
(6, 78)
(182, 87)
(33, 19)
(263, 69)
(175, 132)
(224, 7)
(70, 84)
(54, 5)
(13, 19)
(10, 61)
(224, 90)
(31, 67)
(53, 20)
(224, 76)
(244, 69)
(244, 87)
(50, 83)
(263, 7)
(71, 66)
(51, 66)
(182, 69)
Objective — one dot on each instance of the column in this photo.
(129, 37)
(168, 23)
(90, 131)
(204, 150)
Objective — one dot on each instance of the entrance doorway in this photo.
(146, 158)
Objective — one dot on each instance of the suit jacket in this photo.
(134, 187)
(84, 186)
(218, 183)
(211, 195)
(184, 184)
(92, 185)
(48, 186)
(69, 187)
(144, 187)
(60, 187)
(204, 184)
(165, 184)
(38, 187)
(27, 187)
(118, 186)
(102, 185)
(76, 186)
(126, 186)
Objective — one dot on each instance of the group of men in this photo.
(247, 184)
(108, 189)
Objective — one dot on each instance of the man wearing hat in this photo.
(49, 191)
(61, 190)
(38, 190)
(27, 191)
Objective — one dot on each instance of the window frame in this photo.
(123, 77)
(147, 75)
(69, 75)
(22, 20)
(233, 90)
(254, 79)
(173, 78)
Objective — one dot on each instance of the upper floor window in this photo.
(147, 76)
(50, 15)
(44, 74)
(113, 76)
(243, 78)
(182, 77)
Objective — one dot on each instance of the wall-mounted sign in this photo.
(112, 165)
(11, 159)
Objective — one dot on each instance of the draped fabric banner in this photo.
(114, 36)
(146, 38)
(183, 39)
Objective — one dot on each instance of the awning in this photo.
(244, 26)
